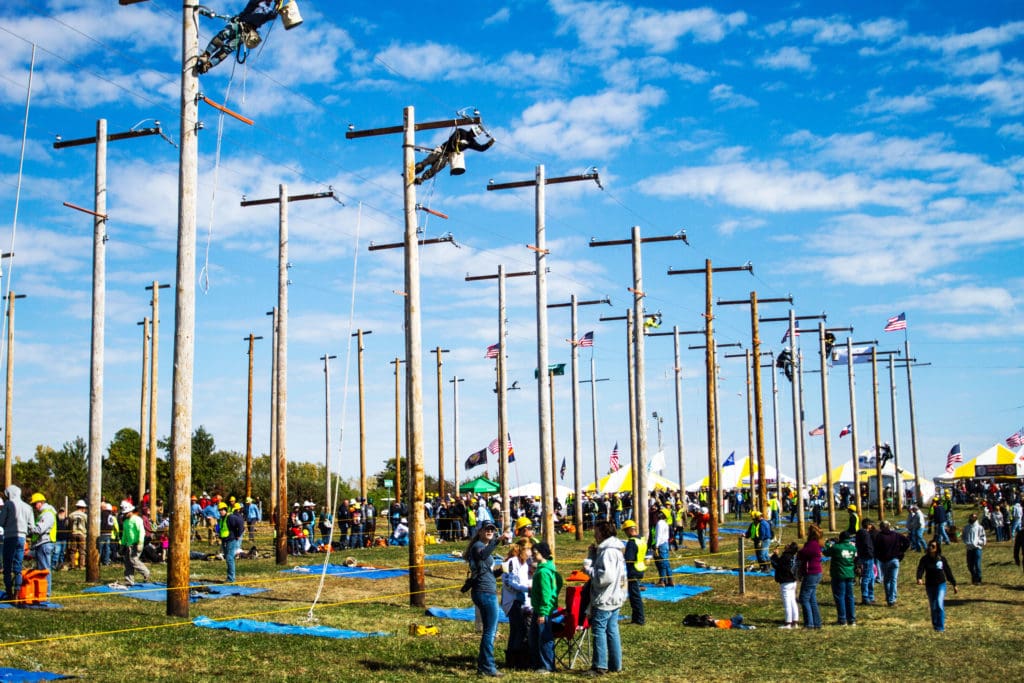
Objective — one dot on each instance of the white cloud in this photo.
(631, 73)
(836, 30)
(898, 105)
(730, 99)
(966, 299)
(787, 58)
(1013, 131)
(982, 39)
(499, 17)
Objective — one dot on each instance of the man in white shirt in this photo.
(661, 535)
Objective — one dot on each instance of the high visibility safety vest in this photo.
(641, 554)
(222, 527)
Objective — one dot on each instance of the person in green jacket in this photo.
(841, 569)
(547, 584)
(133, 537)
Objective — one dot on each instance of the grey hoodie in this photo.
(16, 515)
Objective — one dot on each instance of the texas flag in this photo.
(846, 430)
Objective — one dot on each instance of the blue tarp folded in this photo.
(671, 593)
(11, 675)
(252, 626)
(157, 592)
(349, 572)
(444, 558)
(686, 569)
(42, 605)
(460, 614)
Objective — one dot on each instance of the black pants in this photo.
(636, 601)
(517, 654)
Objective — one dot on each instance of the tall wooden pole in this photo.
(898, 479)
(544, 407)
(503, 429)
(877, 426)
(398, 433)
(680, 448)
(797, 426)
(631, 322)
(455, 427)
(829, 483)
(272, 503)
(712, 412)
(144, 410)
(853, 427)
(9, 393)
(762, 483)
(248, 422)
(775, 429)
(326, 358)
(281, 540)
(577, 447)
(913, 425)
(362, 416)
(99, 296)
(639, 330)
(440, 423)
(153, 374)
(184, 325)
(755, 503)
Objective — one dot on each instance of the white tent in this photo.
(843, 474)
(621, 480)
(533, 491)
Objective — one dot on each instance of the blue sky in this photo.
(866, 158)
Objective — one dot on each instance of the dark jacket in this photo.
(890, 545)
(236, 526)
(865, 545)
(935, 570)
(785, 567)
(478, 555)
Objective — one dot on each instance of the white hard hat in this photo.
(126, 507)
(80, 503)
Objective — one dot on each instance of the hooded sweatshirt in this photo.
(608, 572)
(16, 515)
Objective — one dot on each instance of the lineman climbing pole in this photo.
(413, 341)
(547, 484)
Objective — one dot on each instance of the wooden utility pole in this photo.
(153, 374)
(711, 369)
(99, 294)
(501, 389)
(775, 425)
(281, 354)
(272, 503)
(577, 446)
(9, 393)
(397, 362)
(144, 409)
(913, 424)
(455, 426)
(898, 479)
(758, 401)
(877, 433)
(547, 484)
(358, 334)
(326, 358)
(440, 425)
(640, 398)
(248, 421)
(853, 427)
(826, 422)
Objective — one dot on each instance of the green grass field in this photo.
(114, 638)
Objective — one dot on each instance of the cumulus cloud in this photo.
(727, 98)
(786, 58)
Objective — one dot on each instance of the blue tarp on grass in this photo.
(460, 614)
(671, 593)
(252, 626)
(349, 572)
(157, 592)
(41, 605)
(8, 675)
(445, 558)
(686, 569)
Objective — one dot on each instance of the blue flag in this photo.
(730, 461)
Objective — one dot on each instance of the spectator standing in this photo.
(865, 542)
(544, 591)
(132, 540)
(515, 603)
(843, 555)
(635, 557)
(79, 522)
(934, 572)
(45, 532)
(974, 540)
(809, 564)
(484, 593)
(607, 569)
(15, 519)
(890, 547)
(785, 566)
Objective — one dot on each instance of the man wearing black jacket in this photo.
(889, 550)
(865, 542)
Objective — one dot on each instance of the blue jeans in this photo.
(44, 553)
(867, 580)
(917, 539)
(14, 555)
(842, 593)
(937, 605)
(890, 575)
(664, 568)
(487, 603)
(105, 555)
(542, 644)
(57, 554)
(808, 600)
(974, 564)
(230, 548)
(604, 625)
(940, 534)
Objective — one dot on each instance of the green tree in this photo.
(121, 470)
(56, 474)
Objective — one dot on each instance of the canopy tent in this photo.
(843, 474)
(480, 485)
(997, 461)
(621, 480)
(532, 490)
(738, 476)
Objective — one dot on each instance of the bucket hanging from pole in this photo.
(290, 15)
(457, 161)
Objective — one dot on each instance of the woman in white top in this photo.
(515, 602)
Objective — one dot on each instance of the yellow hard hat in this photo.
(37, 498)
(628, 524)
(222, 506)
(523, 522)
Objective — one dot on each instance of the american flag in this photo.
(896, 323)
(613, 461)
(586, 340)
(495, 445)
(561, 471)
(817, 431)
(845, 430)
(1016, 440)
(953, 458)
(796, 331)
(492, 351)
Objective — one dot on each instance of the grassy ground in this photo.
(114, 638)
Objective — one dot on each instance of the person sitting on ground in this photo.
(400, 536)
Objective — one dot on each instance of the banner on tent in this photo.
(995, 470)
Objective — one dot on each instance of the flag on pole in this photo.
(561, 470)
(896, 323)
(730, 461)
(817, 431)
(613, 460)
(846, 430)
(493, 447)
(492, 351)
(586, 340)
(478, 458)
(860, 355)
(1016, 440)
(796, 331)
(953, 459)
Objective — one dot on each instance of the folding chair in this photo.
(572, 632)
